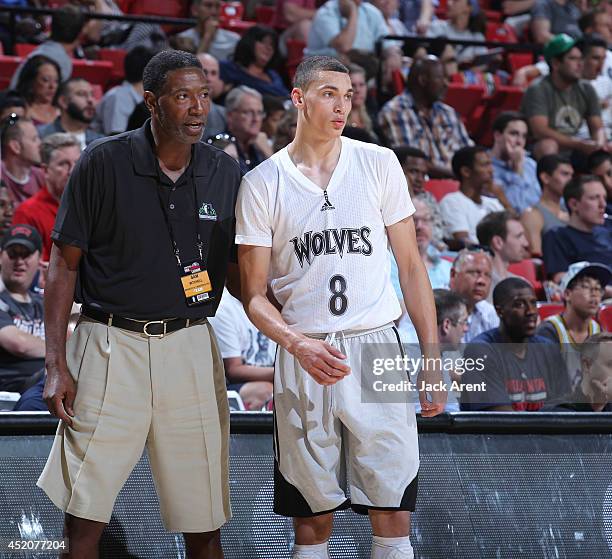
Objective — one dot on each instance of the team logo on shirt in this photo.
(207, 211)
(332, 241)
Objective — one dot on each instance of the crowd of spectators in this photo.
(523, 220)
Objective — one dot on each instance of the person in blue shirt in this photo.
(519, 370)
(585, 237)
(252, 64)
(513, 169)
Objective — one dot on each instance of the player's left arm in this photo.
(419, 301)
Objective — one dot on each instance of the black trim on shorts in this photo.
(288, 501)
(408, 502)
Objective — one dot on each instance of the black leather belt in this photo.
(150, 328)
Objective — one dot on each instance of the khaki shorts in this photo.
(167, 394)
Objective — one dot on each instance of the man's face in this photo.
(59, 169)
(602, 25)
(570, 66)
(246, 119)
(422, 225)
(206, 9)
(183, 105)
(415, 170)
(473, 280)
(435, 82)
(6, 210)
(271, 122)
(455, 328)
(211, 69)
(79, 101)
(516, 247)
(593, 63)
(520, 314)
(591, 207)
(326, 103)
(604, 172)
(584, 295)
(559, 178)
(482, 172)
(514, 136)
(597, 365)
(18, 266)
(29, 143)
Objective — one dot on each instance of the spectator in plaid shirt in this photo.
(418, 118)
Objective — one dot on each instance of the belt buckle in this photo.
(144, 329)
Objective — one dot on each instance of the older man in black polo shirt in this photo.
(144, 232)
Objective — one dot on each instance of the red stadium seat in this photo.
(231, 10)
(8, 65)
(441, 187)
(604, 317)
(265, 15)
(117, 57)
(464, 98)
(505, 98)
(94, 71)
(501, 32)
(548, 309)
(295, 55)
(527, 269)
(23, 49)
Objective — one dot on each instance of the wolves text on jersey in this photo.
(332, 241)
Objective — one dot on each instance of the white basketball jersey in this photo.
(329, 264)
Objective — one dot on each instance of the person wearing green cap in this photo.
(558, 104)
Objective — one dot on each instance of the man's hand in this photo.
(59, 393)
(210, 27)
(432, 393)
(422, 25)
(346, 7)
(322, 361)
(516, 154)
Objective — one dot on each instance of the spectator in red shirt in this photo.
(60, 152)
(20, 148)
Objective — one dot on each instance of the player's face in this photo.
(520, 314)
(584, 296)
(182, 107)
(325, 103)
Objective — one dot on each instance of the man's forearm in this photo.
(248, 373)
(343, 42)
(268, 320)
(59, 295)
(294, 13)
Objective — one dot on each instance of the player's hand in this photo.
(322, 361)
(59, 393)
(434, 394)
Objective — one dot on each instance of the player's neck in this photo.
(314, 152)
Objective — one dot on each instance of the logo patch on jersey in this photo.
(332, 241)
(207, 211)
(327, 205)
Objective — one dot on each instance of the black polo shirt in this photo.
(111, 210)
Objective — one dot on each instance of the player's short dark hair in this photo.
(135, 62)
(574, 189)
(404, 152)
(597, 158)
(156, 72)
(66, 24)
(448, 304)
(465, 157)
(549, 163)
(503, 119)
(504, 290)
(308, 70)
(492, 225)
(591, 41)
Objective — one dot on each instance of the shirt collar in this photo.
(144, 159)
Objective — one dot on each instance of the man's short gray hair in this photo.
(56, 141)
(465, 253)
(234, 97)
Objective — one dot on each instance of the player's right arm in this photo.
(321, 360)
(60, 389)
